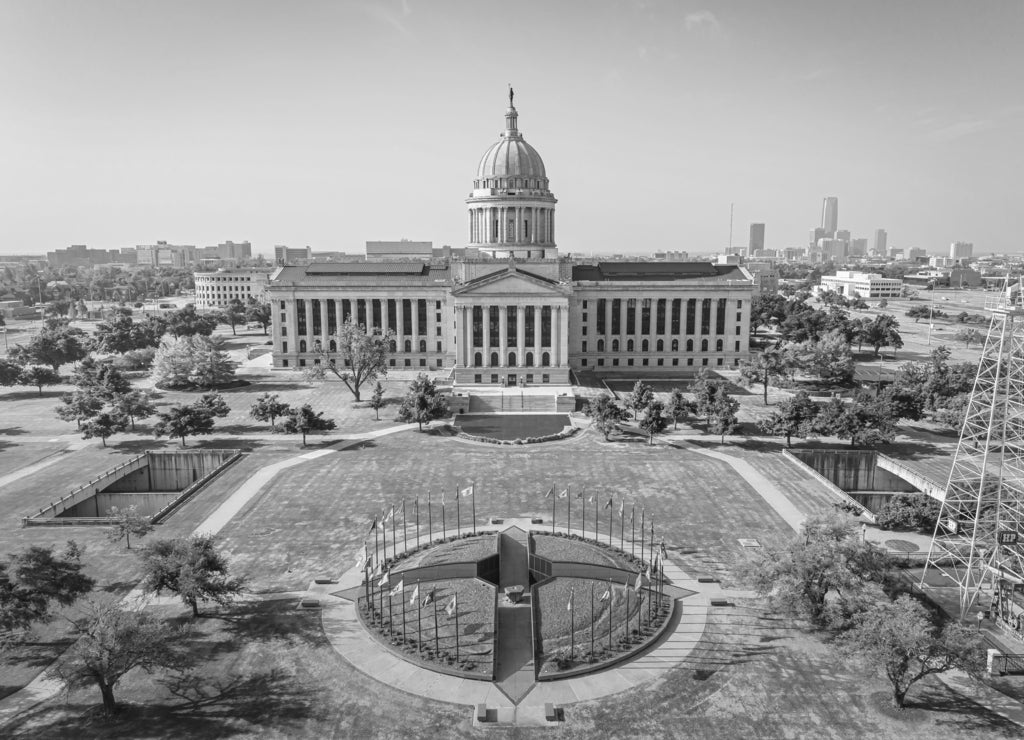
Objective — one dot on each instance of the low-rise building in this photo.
(218, 289)
(862, 284)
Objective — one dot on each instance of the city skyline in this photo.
(196, 123)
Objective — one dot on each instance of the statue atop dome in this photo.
(511, 95)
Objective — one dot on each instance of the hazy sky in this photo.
(333, 123)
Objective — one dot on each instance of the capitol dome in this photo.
(510, 156)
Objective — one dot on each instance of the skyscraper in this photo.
(961, 251)
(879, 249)
(830, 214)
(756, 239)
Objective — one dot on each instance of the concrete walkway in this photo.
(514, 669)
(42, 688)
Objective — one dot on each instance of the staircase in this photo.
(505, 402)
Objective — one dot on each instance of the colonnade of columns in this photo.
(512, 343)
(516, 225)
(364, 310)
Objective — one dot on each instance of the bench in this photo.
(551, 712)
(481, 712)
(721, 602)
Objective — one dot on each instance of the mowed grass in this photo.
(516, 426)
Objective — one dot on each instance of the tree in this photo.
(79, 406)
(186, 322)
(134, 405)
(824, 574)
(677, 406)
(184, 421)
(56, 344)
(304, 420)
(722, 418)
(377, 399)
(766, 308)
(900, 640)
(909, 511)
(704, 390)
(172, 363)
(771, 363)
(830, 357)
(864, 421)
(639, 398)
(952, 411)
(127, 522)
(121, 333)
(193, 568)
(362, 356)
(883, 304)
(654, 421)
(267, 407)
(36, 579)
(211, 366)
(605, 414)
(919, 312)
(234, 314)
(9, 372)
(215, 404)
(104, 425)
(111, 641)
(969, 335)
(110, 382)
(794, 416)
(422, 402)
(38, 375)
(258, 313)
(884, 332)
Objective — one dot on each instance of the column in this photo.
(400, 315)
(337, 313)
(309, 324)
(607, 320)
(485, 317)
(563, 333)
(622, 324)
(537, 352)
(384, 326)
(521, 336)
(466, 335)
(323, 323)
(533, 225)
(501, 224)
(556, 339)
(415, 305)
(503, 335)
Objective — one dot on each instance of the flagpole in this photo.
(643, 514)
(473, 496)
(366, 582)
(592, 618)
(456, 610)
(611, 524)
(458, 511)
(572, 625)
(376, 541)
(391, 616)
(627, 607)
(384, 537)
(405, 529)
(554, 501)
(419, 622)
(568, 516)
(394, 539)
(430, 520)
(403, 613)
(632, 531)
(597, 512)
(444, 524)
(437, 649)
(380, 587)
(611, 613)
(417, 522)
(584, 497)
(622, 524)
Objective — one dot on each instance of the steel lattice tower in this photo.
(982, 516)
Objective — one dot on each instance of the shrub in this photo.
(909, 512)
(136, 359)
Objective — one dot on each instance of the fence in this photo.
(1003, 664)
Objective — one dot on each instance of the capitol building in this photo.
(517, 313)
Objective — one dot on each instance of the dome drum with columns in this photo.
(511, 209)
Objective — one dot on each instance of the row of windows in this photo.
(235, 279)
(645, 345)
(332, 346)
(667, 314)
(479, 378)
(660, 362)
(478, 359)
(437, 364)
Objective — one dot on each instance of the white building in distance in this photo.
(218, 289)
(862, 284)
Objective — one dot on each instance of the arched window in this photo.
(394, 345)
(615, 345)
(316, 345)
(423, 345)
(302, 345)
(703, 345)
(545, 359)
(645, 346)
(529, 359)
(494, 359)
(629, 345)
(718, 346)
(333, 346)
(661, 345)
(600, 345)
(408, 345)
(478, 360)
(689, 345)
(511, 359)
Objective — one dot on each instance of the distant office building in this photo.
(292, 255)
(766, 276)
(671, 255)
(163, 254)
(940, 261)
(961, 251)
(218, 289)
(858, 247)
(400, 250)
(79, 255)
(237, 251)
(830, 215)
(863, 284)
(880, 248)
(815, 236)
(833, 250)
(843, 234)
(916, 254)
(756, 243)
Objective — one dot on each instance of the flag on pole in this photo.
(648, 573)
(415, 595)
(568, 606)
(384, 579)
(632, 512)
(450, 609)
(362, 557)
(374, 525)
(429, 598)
(591, 499)
(468, 490)
(442, 497)
(564, 494)
(390, 514)
(622, 507)
(606, 595)
(399, 588)
(550, 491)
(377, 569)
(664, 552)
(579, 494)
(639, 582)
(609, 504)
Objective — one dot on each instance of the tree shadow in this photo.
(32, 394)
(12, 432)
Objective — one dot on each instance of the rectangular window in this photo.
(437, 331)
(284, 331)
(493, 326)
(378, 318)
(346, 310)
(361, 312)
(437, 317)
(408, 362)
(584, 306)
(737, 346)
(616, 316)
(691, 316)
(423, 362)
(283, 319)
(601, 308)
(583, 329)
(705, 316)
(421, 307)
(631, 316)
(689, 361)
(529, 377)
(720, 361)
(284, 363)
(545, 378)
(545, 326)
(494, 377)
(660, 327)
(739, 303)
(284, 346)
(737, 331)
(391, 362)
(478, 326)
(600, 361)
(406, 317)
(478, 378)
(739, 316)
(439, 347)
(645, 316)
(584, 347)
(392, 315)
(677, 310)
(282, 305)
(437, 306)
(302, 363)
(332, 317)
(704, 361)
(584, 362)
(720, 317)
(644, 361)
(512, 325)
(615, 362)
(630, 362)
(300, 314)
(531, 326)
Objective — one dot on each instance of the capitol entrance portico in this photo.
(512, 329)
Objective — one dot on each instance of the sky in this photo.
(332, 123)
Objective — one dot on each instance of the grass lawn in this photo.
(515, 426)
(553, 547)
(466, 550)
